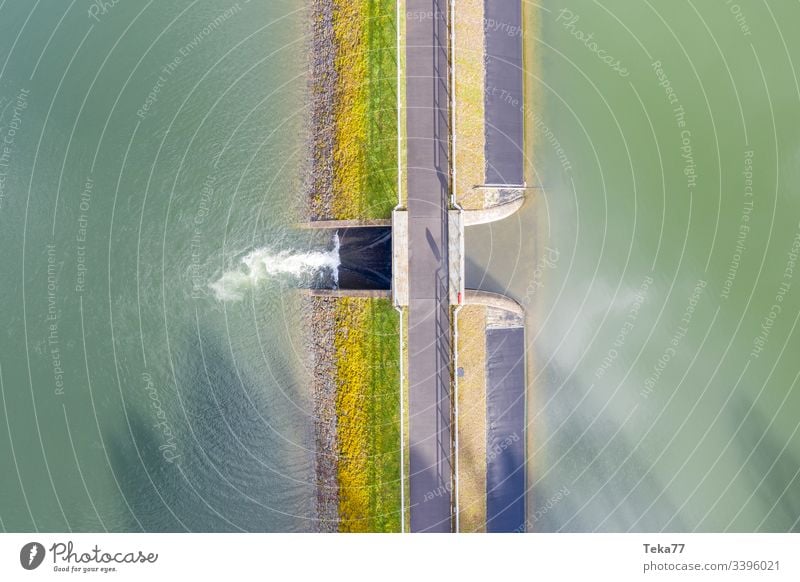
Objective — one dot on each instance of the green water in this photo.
(655, 406)
(134, 400)
(152, 145)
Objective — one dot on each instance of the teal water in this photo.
(152, 146)
(662, 286)
(664, 389)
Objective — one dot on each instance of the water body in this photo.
(151, 146)
(661, 286)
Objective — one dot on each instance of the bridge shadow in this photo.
(222, 457)
(476, 277)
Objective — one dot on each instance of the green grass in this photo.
(367, 406)
(382, 136)
(365, 153)
(406, 449)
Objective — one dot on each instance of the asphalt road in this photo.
(429, 338)
(505, 434)
(503, 86)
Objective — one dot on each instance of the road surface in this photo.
(505, 433)
(504, 110)
(429, 338)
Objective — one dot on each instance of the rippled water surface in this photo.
(157, 143)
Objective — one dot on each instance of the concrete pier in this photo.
(400, 258)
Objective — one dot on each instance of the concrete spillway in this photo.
(366, 258)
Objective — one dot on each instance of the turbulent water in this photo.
(662, 285)
(300, 268)
(153, 145)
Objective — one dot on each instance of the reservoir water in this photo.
(152, 146)
(661, 286)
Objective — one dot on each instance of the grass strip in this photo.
(367, 408)
(365, 117)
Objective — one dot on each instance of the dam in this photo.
(418, 260)
(378, 260)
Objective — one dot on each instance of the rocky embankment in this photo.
(321, 334)
(323, 94)
(323, 79)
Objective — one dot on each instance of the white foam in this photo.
(264, 263)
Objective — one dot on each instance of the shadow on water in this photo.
(771, 473)
(593, 502)
(151, 504)
(476, 277)
(366, 258)
(239, 453)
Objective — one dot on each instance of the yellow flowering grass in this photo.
(367, 408)
(365, 147)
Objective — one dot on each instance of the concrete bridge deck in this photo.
(429, 333)
(427, 248)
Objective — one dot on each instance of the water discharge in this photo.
(300, 268)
